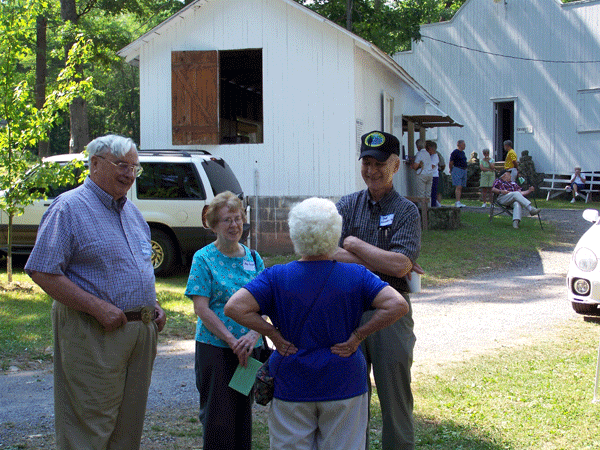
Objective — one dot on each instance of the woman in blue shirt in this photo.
(218, 271)
(315, 305)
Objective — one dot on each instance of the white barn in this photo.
(525, 70)
(282, 94)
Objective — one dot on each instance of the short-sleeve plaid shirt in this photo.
(509, 186)
(393, 223)
(101, 245)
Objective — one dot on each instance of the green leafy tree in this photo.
(23, 125)
(114, 107)
(391, 25)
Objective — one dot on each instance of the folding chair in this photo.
(501, 209)
(507, 209)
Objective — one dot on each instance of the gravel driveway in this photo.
(454, 321)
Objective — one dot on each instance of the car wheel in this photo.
(163, 252)
(583, 308)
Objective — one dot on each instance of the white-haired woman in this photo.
(315, 305)
(218, 270)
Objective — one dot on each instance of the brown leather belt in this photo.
(146, 314)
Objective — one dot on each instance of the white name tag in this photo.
(146, 248)
(249, 265)
(386, 221)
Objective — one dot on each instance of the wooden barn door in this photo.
(195, 97)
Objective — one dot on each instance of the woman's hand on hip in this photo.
(283, 346)
(346, 349)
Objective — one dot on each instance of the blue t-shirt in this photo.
(285, 294)
(218, 277)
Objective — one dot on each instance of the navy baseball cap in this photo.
(379, 145)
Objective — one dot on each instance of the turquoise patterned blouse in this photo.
(218, 277)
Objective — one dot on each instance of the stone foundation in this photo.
(444, 218)
(269, 233)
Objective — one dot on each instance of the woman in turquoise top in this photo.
(218, 271)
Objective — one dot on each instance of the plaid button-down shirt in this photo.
(101, 245)
(509, 186)
(393, 223)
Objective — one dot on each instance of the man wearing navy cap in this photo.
(382, 231)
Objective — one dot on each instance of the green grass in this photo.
(479, 246)
(537, 396)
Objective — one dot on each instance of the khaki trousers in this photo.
(517, 200)
(423, 185)
(101, 381)
(390, 353)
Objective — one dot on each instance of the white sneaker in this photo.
(573, 201)
(515, 224)
(484, 205)
(534, 211)
(459, 205)
(438, 204)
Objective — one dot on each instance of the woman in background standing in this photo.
(488, 175)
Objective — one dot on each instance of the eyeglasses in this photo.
(238, 220)
(124, 167)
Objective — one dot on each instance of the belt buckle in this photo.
(147, 313)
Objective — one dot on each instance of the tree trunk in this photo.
(79, 125)
(349, 15)
(9, 271)
(40, 75)
(78, 108)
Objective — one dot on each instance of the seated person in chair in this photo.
(510, 194)
(576, 183)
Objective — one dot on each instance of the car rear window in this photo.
(221, 176)
(169, 181)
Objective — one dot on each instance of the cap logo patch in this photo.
(375, 139)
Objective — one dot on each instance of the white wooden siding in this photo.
(537, 34)
(321, 87)
(308, 94)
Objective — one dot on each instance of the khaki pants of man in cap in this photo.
(101, 381)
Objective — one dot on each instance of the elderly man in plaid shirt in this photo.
(93, 257)
(510, 193)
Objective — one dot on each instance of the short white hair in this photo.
(119, 146)
(315, 227)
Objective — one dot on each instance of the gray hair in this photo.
(315, 227)
(119, 146)
(508, 142)
(420, 142)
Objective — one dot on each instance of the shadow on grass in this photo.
(447, 435)
(181, 323)
(25, 324)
